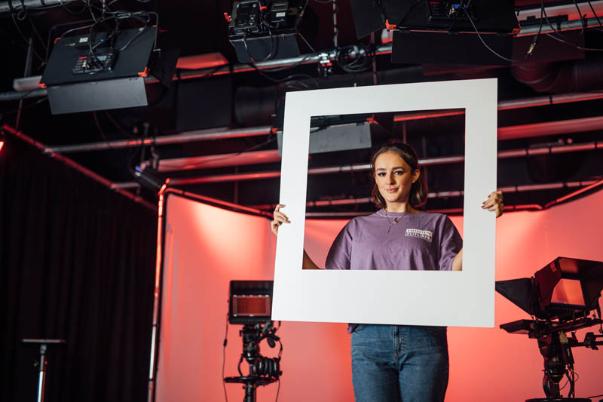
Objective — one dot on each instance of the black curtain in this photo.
(76, 263)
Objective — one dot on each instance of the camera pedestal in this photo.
(250, 384)
(262, 370)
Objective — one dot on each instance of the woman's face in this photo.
(394, 177)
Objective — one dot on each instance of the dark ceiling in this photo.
(550, 107)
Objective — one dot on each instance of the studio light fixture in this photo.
(261, 30)
(103, 68)
(441, 31)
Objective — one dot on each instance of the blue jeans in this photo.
(399, 363)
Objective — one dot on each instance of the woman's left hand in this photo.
(494, 203)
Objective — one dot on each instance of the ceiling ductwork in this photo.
(582, 75)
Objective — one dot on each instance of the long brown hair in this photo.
(418, 191)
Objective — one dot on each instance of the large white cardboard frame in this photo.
(391, 297)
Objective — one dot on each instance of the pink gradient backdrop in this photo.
(206, 247)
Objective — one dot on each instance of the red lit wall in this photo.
(206, 247)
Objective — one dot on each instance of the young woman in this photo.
(397, 362)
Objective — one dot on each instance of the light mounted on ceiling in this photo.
(441, 31)
(261, 30)
(103, 68)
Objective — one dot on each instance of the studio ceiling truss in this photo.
(576, 16)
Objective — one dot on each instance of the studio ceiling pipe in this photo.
(76, 166)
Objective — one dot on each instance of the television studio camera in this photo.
(250, 304)
(562, 297)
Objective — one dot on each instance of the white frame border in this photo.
(391, 297)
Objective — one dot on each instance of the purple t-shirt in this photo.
(396, 241)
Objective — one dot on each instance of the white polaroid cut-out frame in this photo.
(391, 297)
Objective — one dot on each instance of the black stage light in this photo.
(487, 16)
(337, 137)
(435, 15)
(261, 30)
(99, 70)
(368, 16)
(441, 31)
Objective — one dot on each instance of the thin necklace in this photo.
(393, 221)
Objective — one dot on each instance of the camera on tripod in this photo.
(250, 304)
(562, 297)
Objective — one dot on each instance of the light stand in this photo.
(43, 362)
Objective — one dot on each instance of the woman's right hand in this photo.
(278, 219)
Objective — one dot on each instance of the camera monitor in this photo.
(250, 302)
